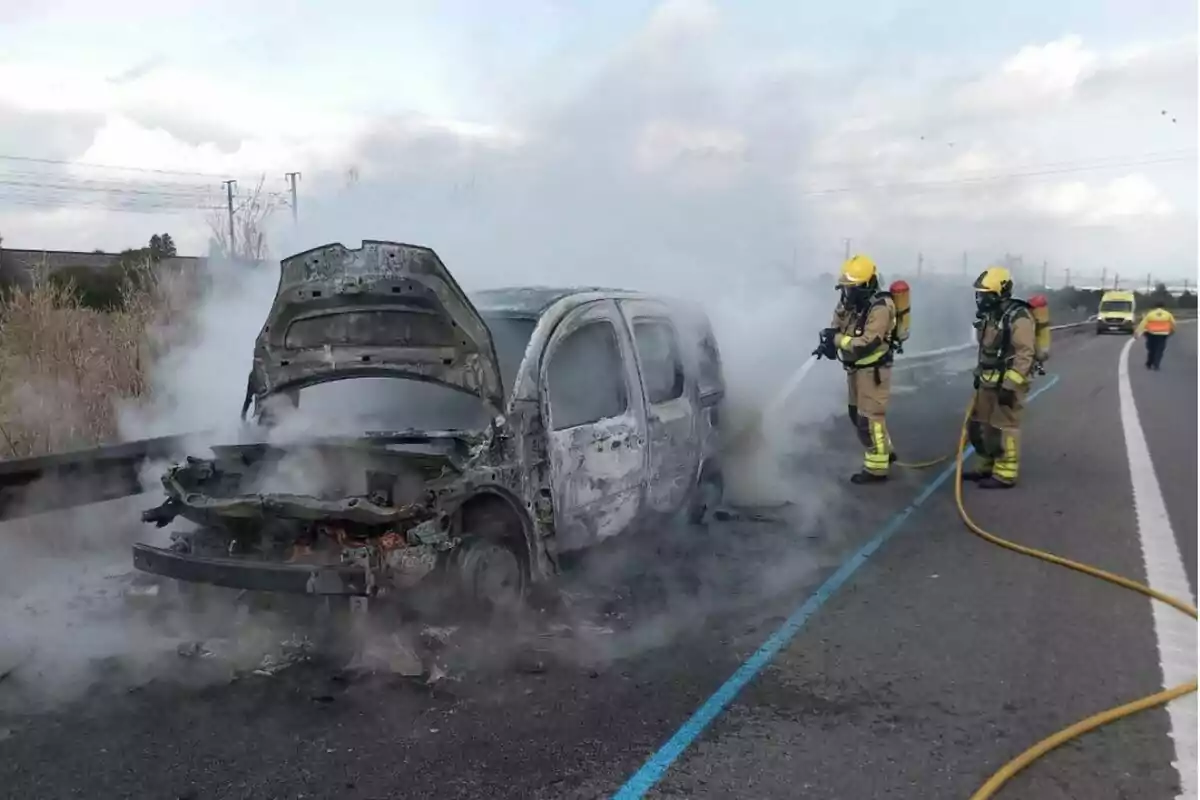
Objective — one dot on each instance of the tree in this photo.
(161, 247)
(249, 223)
(1161, 294)
(1187, 299)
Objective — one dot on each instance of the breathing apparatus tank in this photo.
(1040, 309)
(900, 299)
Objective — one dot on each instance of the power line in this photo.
(996, 178)
(58, 189)
(127, 189)
(90, 165)
(1036, 165)
(134, 207)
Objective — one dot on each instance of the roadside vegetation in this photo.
(79, 342)
(71, 350)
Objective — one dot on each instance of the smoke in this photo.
(72, 617)
(199, 383)
(660, 174)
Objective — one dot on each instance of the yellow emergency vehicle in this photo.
(1117, 312)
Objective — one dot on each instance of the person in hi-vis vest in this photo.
(1158, 325)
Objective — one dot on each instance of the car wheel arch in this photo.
(495, 513)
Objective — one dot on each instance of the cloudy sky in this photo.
(616, 137)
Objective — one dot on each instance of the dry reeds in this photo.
(64, 368)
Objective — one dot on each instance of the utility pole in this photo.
(229, 184)
(1117, 281)
(847, 242)
(1067, 284)
(1149, 282)
(1104, 278)
(291, 179)
(920, 263)
(1045, 265)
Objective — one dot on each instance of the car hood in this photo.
(385, 309)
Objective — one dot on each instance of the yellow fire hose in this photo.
(1009, 770)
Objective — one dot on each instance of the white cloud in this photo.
(707, 155)
(673, 126)
(1010, 158)
(1038, 75)
(1131, 195)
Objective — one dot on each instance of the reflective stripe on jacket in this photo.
(1006, 348)
(865, 338)
(1157, 322)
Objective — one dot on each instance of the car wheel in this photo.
(491, 575)
(706, 497)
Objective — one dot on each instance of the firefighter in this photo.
(1158, 325)
(861, 337)
(1006, 334)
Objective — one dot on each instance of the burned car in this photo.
(406, 430)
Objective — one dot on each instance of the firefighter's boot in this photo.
(878, 456)
(982, 471)
(1007, 464)
(992, 482)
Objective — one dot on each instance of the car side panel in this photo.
(598, 468)
(672, 424)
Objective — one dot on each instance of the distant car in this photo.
(406, 429)
(1117, 310)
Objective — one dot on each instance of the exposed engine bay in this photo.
(358, 517)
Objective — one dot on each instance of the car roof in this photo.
(528, 301)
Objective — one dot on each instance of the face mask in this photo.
(985, 302)
(853, 296)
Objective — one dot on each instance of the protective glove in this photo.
(831, 337)
(1006, 397)
(828, 346)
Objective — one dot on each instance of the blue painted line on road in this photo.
(657, 765)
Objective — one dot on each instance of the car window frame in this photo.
(679, 379)
(620, 375)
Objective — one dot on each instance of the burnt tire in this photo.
(706, 496)
(491, 575)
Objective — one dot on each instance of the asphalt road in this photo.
(937, 661)
(1168, 396)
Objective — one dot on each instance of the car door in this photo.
(672, 404)
(596, 424)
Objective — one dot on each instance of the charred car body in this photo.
(407, 429)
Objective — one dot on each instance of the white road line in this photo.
(1175, 632)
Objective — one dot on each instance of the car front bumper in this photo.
(255, 576)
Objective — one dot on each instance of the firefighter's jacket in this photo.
(1157, 322)
(1006, 348)
(865, 336)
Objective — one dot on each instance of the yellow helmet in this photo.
(857, 271)
(995, 280)
(993, 286)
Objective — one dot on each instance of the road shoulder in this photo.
(946, 656)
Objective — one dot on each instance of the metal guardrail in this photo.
(75, 478)
(904, 360)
